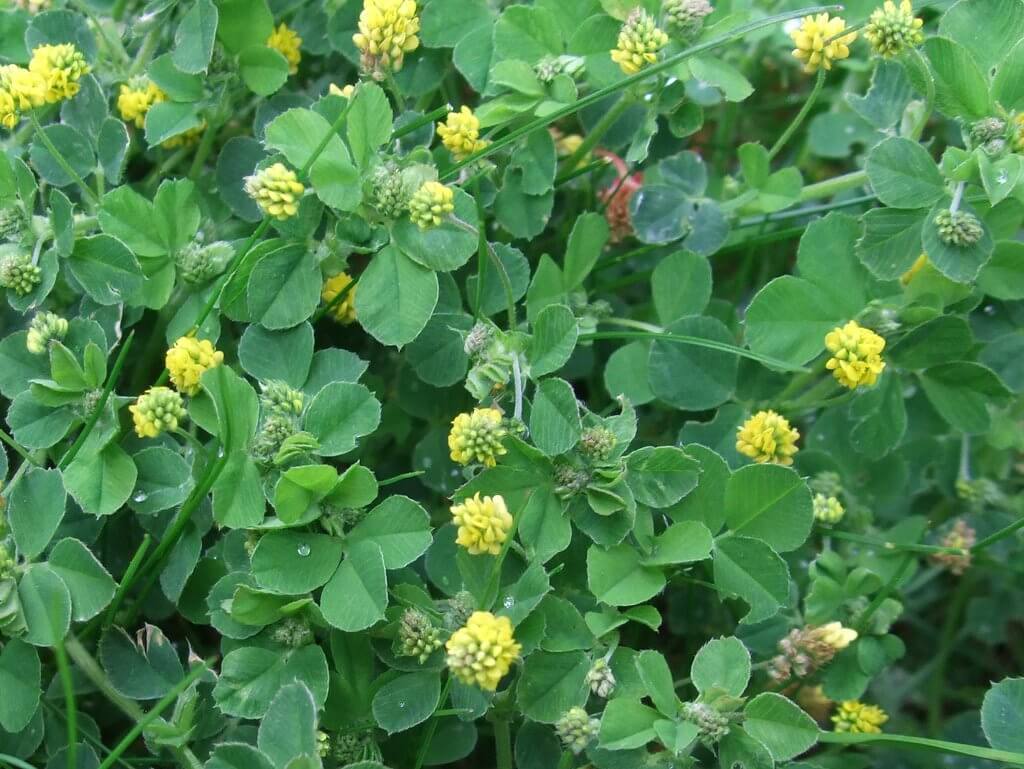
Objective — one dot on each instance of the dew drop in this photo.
(140, 497)
(303, 550)
(1002, 177)
(401, 705)
(509, 602)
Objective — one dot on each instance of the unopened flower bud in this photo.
(198, 263)
(597, 443)
(44, 327)
(577, 729)
(685, 18)
(828, 510)
(389, 191)
(417, 637)
(281, 398)
(601, 679)
(19, 274)
(293, 632)
(958, 228)
(639, 42)
(712, 724)
(962, 537)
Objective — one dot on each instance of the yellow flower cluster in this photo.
(286, 41)
(639, 42)
(460, 133)
(387, 31)
(476, 437)
(856, 355)
(276, 190)
(483, 650)
(892, 29)
(856, 717)
(135, 99)
(345, 91)
(819, 41)
(828, 509)
(484, 524)
(430, 204)
(61, 67)
(186, 361)
(20, 91)
(156, 410)
(345, 310)
(186, 138)
(835, 635)
(768, 437)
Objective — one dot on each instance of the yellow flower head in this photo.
(476, 437)
(276, 190)
(768, 437)
(430, 204)
(483, 650)
(814, 42)
(345, 310)
(856, 355)
(835, 635)
(856, 717)
(186, 361)
(387, 31)
(915, 268)
(639, 42)
(135, 99)
(27, 88)
(61, 67)
(9, 115)
(286, 41)
(156, 410)
(187, 138)
(892, 29)
(828, 509)
(33, 6)
(345, 91)
(484, 524)
(461, 133)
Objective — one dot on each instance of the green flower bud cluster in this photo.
(199, 264)
(684, 18)
(577, 729)
(990, 134)
(390, 191)
(597, 443)
(7, 563)
(276, 429)
(958, 228)
(281, 399)
(893, 29)
(826, 482)
(980, 493)
(44, 327)
(828, 510)
(337, 520)
(713, 724)
(293, 632)
(570, 480)
(550, 67)
(351, 748)
(417, 637)
(12, 618)
(19, 274)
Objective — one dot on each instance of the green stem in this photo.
(950, 626)
(15, 762)
(85, 663)
(400, 477)
(997, 536)
(101, 404)
(145, 52)
(9, 440)
(151, 567)
(506, 282)
(417, 124)
(61, 161)
(800, 116)
(428, 734)
(896, 547)
(568, 176)
(204, 149)
(595, 134)
(644, 74)
(126, 581)
(338, 299)
(885, 592)
(695, 341)
(71, 711)
(929, 96)
(831, 187)
(565, 762)
(153, 714)
(503, 743)
(942, 746)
